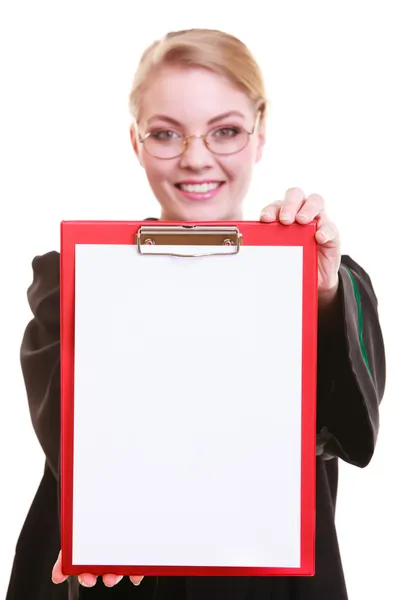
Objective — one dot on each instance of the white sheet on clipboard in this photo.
(187, 408)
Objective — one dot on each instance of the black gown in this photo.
(351, 380)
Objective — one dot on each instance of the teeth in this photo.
(200, 188)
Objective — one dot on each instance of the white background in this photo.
(332, 79)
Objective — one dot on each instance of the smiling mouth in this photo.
(199, 188)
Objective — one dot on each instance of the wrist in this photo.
(329, 309)
(327, 296)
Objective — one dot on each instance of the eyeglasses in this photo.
(223, 140)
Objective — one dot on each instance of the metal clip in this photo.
(154, 240)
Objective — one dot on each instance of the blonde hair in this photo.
(210, 49)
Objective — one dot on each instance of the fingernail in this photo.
(82, 582)
(267, 215)
(139, 582)
(119, 578)
(285, 216)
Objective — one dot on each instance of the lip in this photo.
(200, 197)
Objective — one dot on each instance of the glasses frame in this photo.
(186, 139)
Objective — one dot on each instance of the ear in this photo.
(134, 142)
(260, 146)
(260, 140)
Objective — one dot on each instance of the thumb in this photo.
(57, 574)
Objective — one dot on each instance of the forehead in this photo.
(191, 95)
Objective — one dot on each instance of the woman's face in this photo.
(187, 102)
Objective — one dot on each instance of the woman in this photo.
(198, 106)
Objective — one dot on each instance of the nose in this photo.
(196, 156)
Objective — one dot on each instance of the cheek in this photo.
(239, 167)
(157, 171)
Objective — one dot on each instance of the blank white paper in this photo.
(187, 408)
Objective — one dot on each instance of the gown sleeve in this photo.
(40, 355)
(351, 371)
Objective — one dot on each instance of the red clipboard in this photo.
(91, 255)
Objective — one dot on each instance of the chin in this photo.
(214, 209)
(206, 213)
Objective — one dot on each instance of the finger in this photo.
(57, 575)
(111, 580)
(312, 208)
(87, 579)
(293, 201)
(327, 233)
(270, 213)
(136, 579)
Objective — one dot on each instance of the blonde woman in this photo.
(198, 108)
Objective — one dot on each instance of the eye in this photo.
(165, 135)
(226, 132)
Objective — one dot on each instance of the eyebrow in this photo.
(231, 113)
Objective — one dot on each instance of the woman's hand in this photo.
(296, 207)
(88, 580)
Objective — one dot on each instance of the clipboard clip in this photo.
(158, 240)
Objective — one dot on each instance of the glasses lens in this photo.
(164, 146)
(227, 140)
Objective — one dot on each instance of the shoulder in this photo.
(45, 262)
(46, 279)
(46, 268)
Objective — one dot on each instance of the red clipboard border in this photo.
(254, 233)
